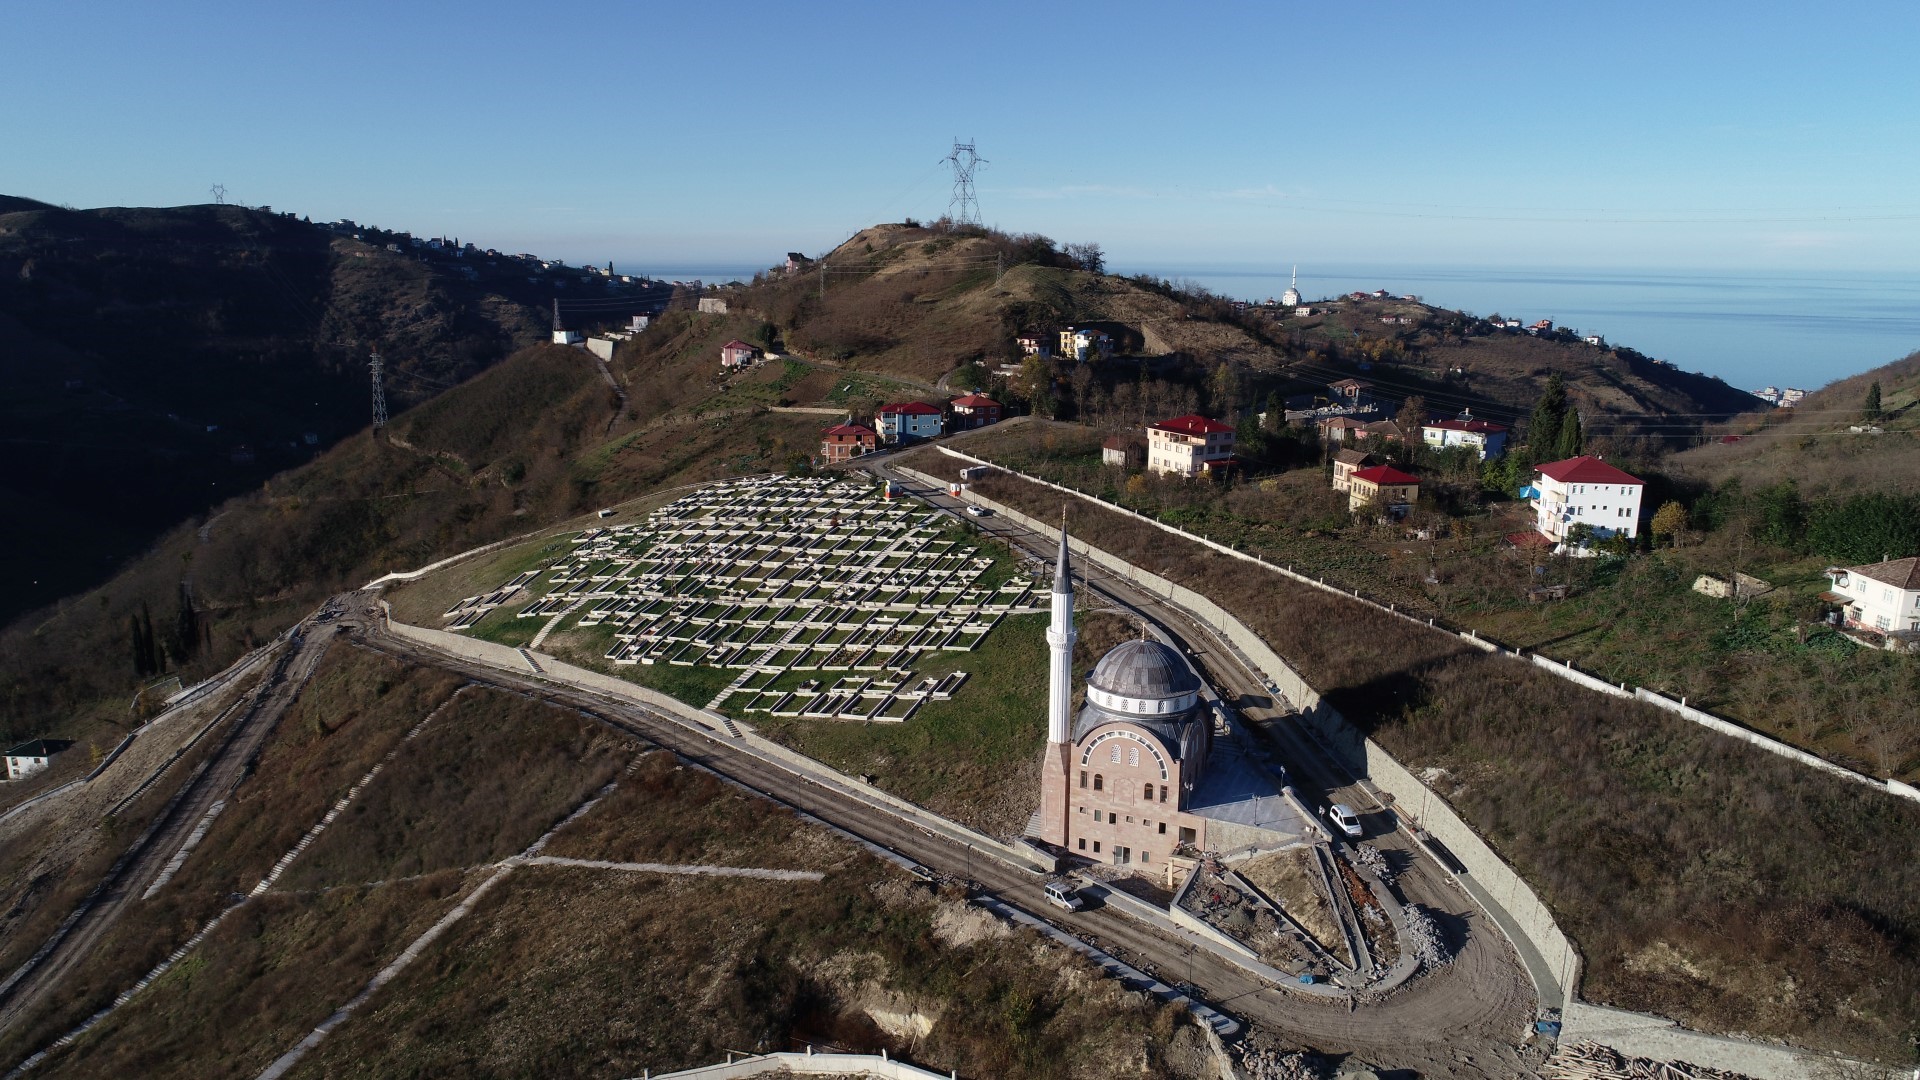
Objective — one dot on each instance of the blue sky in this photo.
(1623, 135)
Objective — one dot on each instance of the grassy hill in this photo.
(159, 360)
(919, 300)
(1814, 445)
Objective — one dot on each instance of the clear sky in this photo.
(1603, 135)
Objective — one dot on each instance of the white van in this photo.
(1062, 894)
(1345, 820)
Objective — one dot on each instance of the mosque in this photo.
(1139, 772)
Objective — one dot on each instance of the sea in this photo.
(1752, 329)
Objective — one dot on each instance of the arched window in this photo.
(1149, 795)
(1099, 782)
(1133, 756)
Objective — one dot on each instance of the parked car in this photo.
(1345, 820)
(1062, 894)
(978, 511)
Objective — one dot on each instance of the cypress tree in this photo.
(1573, 440)
(1872, 410)
(1543, 431)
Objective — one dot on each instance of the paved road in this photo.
(130, 875)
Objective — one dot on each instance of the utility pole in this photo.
(963, 208)
(378, 368)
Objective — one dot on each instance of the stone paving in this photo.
(823, 594)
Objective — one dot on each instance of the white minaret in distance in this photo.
(1060, 639)
(1291, 297)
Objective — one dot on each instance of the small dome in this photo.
(1144, 669)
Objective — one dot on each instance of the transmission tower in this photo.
(378, 367)
(219, 192)
(963, 208)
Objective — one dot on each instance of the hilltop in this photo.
(919, 300)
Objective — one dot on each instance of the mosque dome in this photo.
(1146, 684)
(1143, 669)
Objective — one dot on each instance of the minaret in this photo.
(1060, 639)
(1056, 763)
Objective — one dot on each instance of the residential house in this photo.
(1035, 344)
(1384, 430)
(1585, 491)
(638, 323)
(907, 421)
(1340, 429)
(975, 411)
(738, 354)
(1085, 343)
(31, 757)
(1486, 437)
(796, 261)
(844, 442)
(1384, 487)
(1544, 326)
(1352, 390)
(1345, 464)
(1884, 596)
(1190, 445)
(1129, 451)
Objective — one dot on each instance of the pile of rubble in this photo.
(1591, 1061)
(1275, 1064)
(1422, 939)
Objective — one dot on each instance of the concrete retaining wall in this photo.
(1525, 917)
(551, 669)
(1560, 669)
(1521, 915)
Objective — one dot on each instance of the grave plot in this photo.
(822, 594)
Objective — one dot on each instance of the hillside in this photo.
(155, 361)
(1814, 444)
(918, 301)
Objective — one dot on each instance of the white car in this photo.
(978, 511)
(1345, 820)
(1062, 894)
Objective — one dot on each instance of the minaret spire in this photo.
(1060, 638)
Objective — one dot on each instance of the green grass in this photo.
(971, 757)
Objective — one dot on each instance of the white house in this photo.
(567, 337)
(1085, 343)
(1487, 438)
(907, 420)
(1884, 596)
(1585, 491)
(1189, 445)
(29, 758)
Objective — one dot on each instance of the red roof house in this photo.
(844, 442)
(975, 410)
(737, 353)
(1586, 469)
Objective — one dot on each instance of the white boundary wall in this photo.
(1560, 668)
(1636, 1034)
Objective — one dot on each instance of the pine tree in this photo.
(1572, 439)
(1872, 410)
(1543, 432)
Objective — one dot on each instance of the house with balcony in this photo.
(1085, 343)
(738, 354)
(844, 442)
(1486, 438)
(1883, 596)
(907, 421)
(1585, 491)
(1190, 445)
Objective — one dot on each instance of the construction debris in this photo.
(1422, 939)
(1591, 1061)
